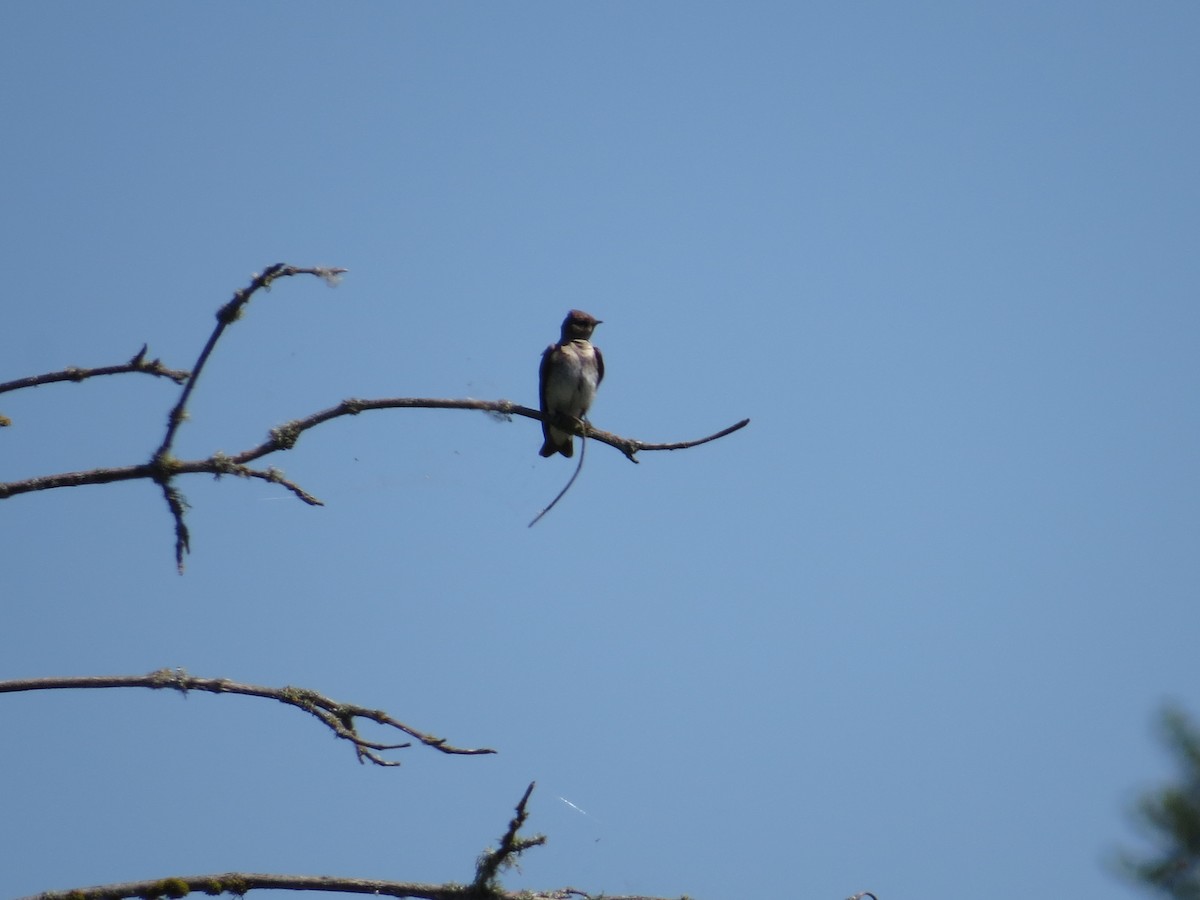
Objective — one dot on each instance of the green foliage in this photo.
(1171, 816)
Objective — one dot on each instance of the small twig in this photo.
(511, 847)
(683, 445)
(226, 316)
(177, 504)
(73, 373)
(338, 717)
(226, 466)
(567, 486)
(274, 476)
(162, 462)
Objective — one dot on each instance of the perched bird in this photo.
(571, 371)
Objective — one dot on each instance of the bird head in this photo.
(578, 326)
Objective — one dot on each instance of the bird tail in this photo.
(566, 448)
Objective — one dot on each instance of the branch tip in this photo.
(340, 718)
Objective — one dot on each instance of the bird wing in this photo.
(542, 385)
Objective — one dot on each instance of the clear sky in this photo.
(907, 633)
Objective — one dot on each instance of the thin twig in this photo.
(226, 316)
(338, 717)
(74, 373)
(162, 464)
(177, 504)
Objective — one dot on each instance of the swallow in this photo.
(571, 371)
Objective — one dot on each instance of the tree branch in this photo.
(240, 883)
(484, 887)
(338, 717)
(163, 467)
(162, 462)
(226, 316)
(284, 437)
(74, 373)
(511, 847)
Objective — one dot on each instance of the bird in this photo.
(571, 371)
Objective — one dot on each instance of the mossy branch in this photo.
(484, 887)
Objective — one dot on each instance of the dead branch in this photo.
(284, 437)
(161, 461)
(338, 717)
(139, 363)
(484, 887)
(226, 316)
(511, 847)
(240, 883)
(163, 467)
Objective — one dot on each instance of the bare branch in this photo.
(683, 445)
(76, 479)
(274, 476)
(163, 468)
(162, 461)
(177, 505)
(484, 887)
(284, 437)
(338, 717)
(226, 316)
(511, 846)
(240, 883)
(73, 373)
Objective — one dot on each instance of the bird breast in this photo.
(574, 387)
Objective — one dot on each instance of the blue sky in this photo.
(907, 633)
